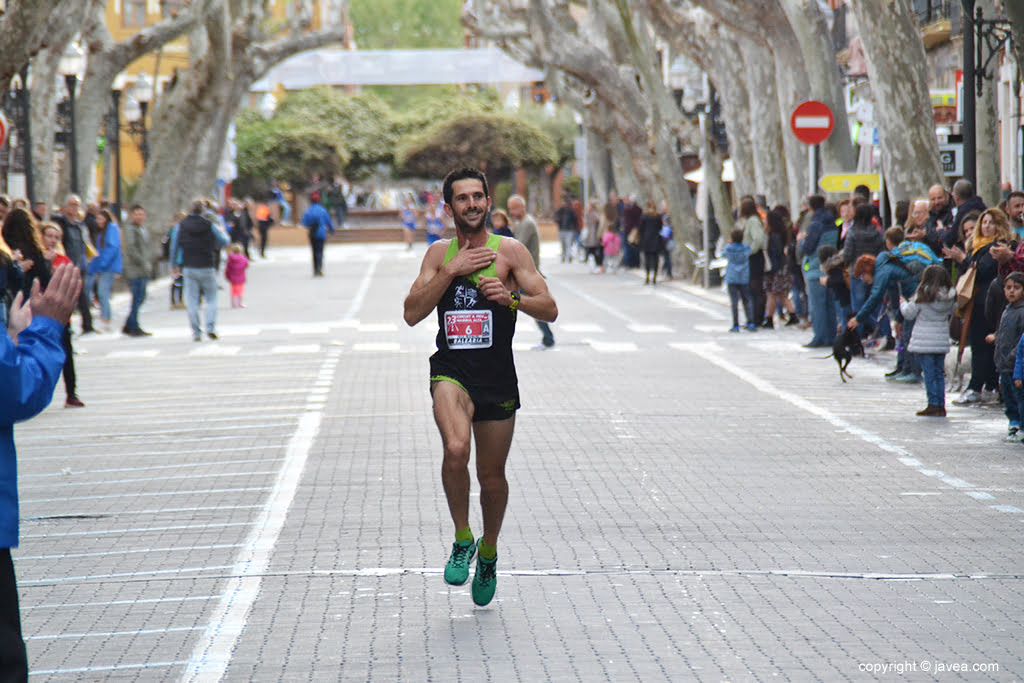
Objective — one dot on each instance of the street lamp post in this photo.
(114, 137)
(135, 109)
(979, 33)
(19, 98)
(70, 66)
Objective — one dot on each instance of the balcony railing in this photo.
(929, 11)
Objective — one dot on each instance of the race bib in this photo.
(468, 329)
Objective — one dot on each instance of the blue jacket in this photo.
(1018, 365)
(821, 230)
(888, 273)
(28, 375)
(109, 258)
(318, 221)
(737, 271)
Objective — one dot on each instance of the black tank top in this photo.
(474, 338)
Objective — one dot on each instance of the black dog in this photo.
(846, 347)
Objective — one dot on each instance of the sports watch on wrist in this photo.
(515, 301)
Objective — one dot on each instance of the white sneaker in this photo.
(968, 398)
(989, 396)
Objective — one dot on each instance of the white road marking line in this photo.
(145, 494)
(133, 353)
(134, 551)
(295, 348)
(364, 288)
(309, 328)
(212, 350)
(709, 352)
(139, 454)
(611, 347)
(77, 473)
(110, 634)
(594, 301)
(684, 303)
(118, 603)
(117, 667)
(650, 329)
(581, 328)
(388, 347)
(197, 427)
(121, 575)
(212, 654)
(378, 327)
(137, 530)
(143, 480)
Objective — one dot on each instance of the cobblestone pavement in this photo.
(687, 504)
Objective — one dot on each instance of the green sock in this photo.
(487, 551)
(462, 535)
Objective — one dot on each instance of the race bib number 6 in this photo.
(468, 329)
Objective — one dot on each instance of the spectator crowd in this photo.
(946, 276)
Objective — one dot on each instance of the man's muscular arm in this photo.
(535, 299)
(435, 276)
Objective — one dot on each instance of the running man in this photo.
(477, 282)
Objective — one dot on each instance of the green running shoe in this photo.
(456, 572)
(485, 580)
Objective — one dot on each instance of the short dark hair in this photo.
(736, 235)
(894, 235)
(748, 207)
(863, 214)
(863, 191)
(816, 201)
(1017, 277)
(462, 174)
(137, 206)
(963, 188)
(1015, 193)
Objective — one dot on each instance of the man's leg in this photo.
(84, 301)
(493, 440)
(209, 287)
(453, 413)
(137, 288)
(548, 338)
(191, 287)
(13, 658)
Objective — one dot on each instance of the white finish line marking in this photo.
(212, 654)
(709, 352)
(387, 347)
(135, 353)
(295, 348)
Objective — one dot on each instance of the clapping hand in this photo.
(19, 317)
(61, 295)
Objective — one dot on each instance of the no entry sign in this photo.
(812, 122)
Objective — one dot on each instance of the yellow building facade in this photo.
(125, 18)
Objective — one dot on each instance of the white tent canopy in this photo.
(396, 67)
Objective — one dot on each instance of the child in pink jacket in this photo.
(234, 271)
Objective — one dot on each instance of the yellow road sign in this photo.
(845, 182)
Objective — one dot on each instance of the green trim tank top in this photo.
(474, 338)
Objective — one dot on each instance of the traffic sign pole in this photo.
(812, 171)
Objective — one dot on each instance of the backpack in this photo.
(915, 256)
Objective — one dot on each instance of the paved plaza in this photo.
(686, 504)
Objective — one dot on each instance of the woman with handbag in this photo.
(979, 269)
